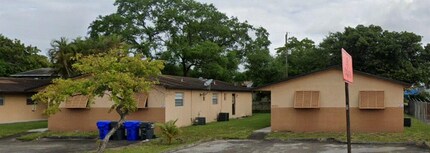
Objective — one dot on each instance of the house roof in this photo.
(20, 85)
(337, 68)
(179, 82)
(172, 82)
(42, 72)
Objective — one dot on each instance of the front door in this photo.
(233, 104)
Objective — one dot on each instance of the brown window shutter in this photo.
(77, 101)
(315, 99)
(299, 99)
(371, 100)
(141, 99)
(380, 99)
(306, 99)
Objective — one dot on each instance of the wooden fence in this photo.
(420, 109)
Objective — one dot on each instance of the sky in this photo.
(38, 22)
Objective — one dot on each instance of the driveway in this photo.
(53, 145)
(256, 146)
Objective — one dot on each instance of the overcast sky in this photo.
(38, 22)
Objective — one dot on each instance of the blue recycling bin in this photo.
(104, 127)
(132, 128)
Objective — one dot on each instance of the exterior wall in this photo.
(86, 119)
(331, 114)
(15, 109)
(194, 105)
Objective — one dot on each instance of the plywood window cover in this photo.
(141, 99)
(371, 100)
(307, 99)
(77, 101)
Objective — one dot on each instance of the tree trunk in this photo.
(102, 146)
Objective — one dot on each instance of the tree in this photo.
(303, 56)
(114, 74)
(396, 55)
(15, 57)
(63, 53)
(194, 38)
(260, 66)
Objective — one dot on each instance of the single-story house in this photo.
(174, 98)
(315, 102)
(15, 100)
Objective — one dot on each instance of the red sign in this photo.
(347, 67)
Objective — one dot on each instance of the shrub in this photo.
(169, 130)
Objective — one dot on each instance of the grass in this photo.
(17, 128)
(233, 129)
(419, 132)
(35, 136)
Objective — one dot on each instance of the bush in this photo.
(169, 130)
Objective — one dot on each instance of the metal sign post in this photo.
(348, 78)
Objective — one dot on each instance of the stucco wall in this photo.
(85, 119)
(15, 109)
(330, 116)
(194, 105)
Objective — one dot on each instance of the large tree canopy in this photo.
(397, 55)
(194, 38)
(15, 57)
(63, 53)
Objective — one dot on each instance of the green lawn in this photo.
(233, 129)
(16, 128)
(418, 133)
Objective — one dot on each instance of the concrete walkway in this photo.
(275, 146)
(260, 134)
(38, 130)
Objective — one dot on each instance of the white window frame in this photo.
(179, 99)
(215, 98)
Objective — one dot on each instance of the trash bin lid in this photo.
(132, 123)
(103, 123)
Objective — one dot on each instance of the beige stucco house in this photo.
(315, 102)
(176, 97)
(15, 100)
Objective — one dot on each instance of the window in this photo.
(214, 98)
(179, 99)
(77, 101)
(30, 101)
(141, 100)
(1, 100)
(371, 100)
(307, 99)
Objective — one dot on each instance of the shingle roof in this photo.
(42, 72)
(20, 85)
(336, 67)
(179, 82)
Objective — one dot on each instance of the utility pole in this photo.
(286, 55)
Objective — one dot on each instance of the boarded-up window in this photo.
(141, 100)
(371, 100)
(307, 99)
(77, 101)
